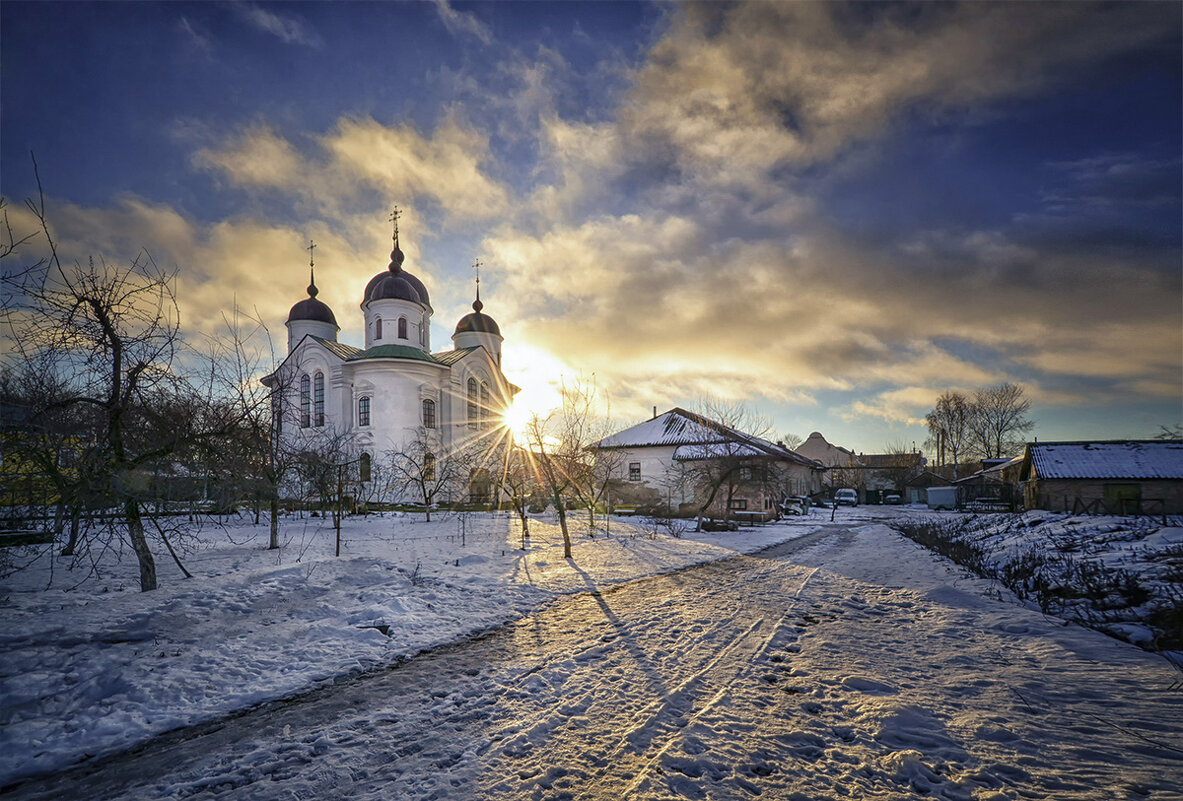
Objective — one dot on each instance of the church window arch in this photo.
(305, 401)
(486, 409)
(363, 467)
(428, 413)
(318, 399)
(402, 328)
(473, 403)
(378, 328)
(429, 466)
(363, 410)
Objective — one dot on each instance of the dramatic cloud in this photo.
(675, 214)
(333, 171)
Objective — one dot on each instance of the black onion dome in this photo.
(393, 285)
(394, 282)
(312, 309)
(477, 323)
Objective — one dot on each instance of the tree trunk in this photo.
(72, 543)
(139, 543)
(59, 519)
(273, 543)
(562, 511)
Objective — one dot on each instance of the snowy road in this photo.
(846, 664)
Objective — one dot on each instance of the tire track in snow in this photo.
(733, 654)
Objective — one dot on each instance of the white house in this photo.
(394, 390)
(660, 456)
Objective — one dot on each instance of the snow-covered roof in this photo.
(994, 472)
(716, 450)
(697, 437)
(1142, 459)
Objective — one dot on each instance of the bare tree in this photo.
(727, 458)
(425, 471)
(559, 445)
(791, 440)
(949, 427)
(518, 482)
(999, 420)
(112, 337)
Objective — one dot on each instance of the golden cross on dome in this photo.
(311, 247)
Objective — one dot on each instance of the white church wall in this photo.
(389, 311)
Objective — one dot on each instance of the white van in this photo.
(846, 497)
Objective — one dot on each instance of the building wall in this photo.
(818, 449)
(1060, 495)
(658, 471)
(661, 472)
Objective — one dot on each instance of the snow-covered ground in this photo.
(1121, 575)
(851, 660)
(90, 665)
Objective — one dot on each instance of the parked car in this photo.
(795, 505)
(846, 497)
(892, 498)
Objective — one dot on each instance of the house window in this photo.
(745, 474)
(363, 465)
(318, 400)
(402, 328)
(634, 471)
(305, 401)
(378, 328)
(429, 466)
(473, 391)
(738, 504)
(363, 411)
(485, 405)
(429, 414)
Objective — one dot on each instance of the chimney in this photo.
(654, 412)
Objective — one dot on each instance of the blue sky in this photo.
(831, 212)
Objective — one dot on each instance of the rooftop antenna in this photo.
(312, 291)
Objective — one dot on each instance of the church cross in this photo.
(394, 215)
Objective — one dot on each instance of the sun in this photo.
(539, 375)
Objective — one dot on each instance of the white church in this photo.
(393, 391)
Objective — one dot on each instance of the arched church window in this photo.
(486, 409)
(318, 400)
(429, 466)
(305, 401)
(363, 466)
(378, 328)
(363, 411)
(402, 328)
(429, 413)
(473, 403)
